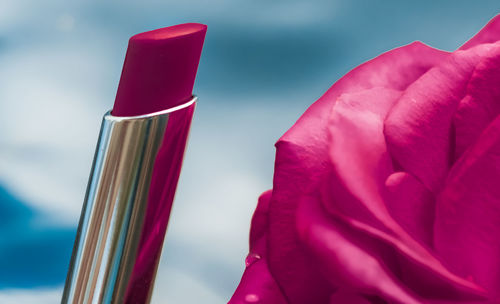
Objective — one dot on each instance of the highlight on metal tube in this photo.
(127, 206)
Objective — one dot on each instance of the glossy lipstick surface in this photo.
(159, 69)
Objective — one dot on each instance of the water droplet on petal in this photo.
(251, 298)
(252, 258)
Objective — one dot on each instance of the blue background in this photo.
(263, 64)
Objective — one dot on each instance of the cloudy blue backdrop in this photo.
(264, 62)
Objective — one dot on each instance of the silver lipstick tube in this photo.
(127, 206)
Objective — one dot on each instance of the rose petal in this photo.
(348, 297)
(418, 129)
(357, 187)
(257, 284)
(411, 204)
(359, 155)
(260, 219)
(488, 34)
(481, 104)
(395, 69)
(302, 161)
(346, 261)
(286, 257)
(412, 264)
(467, 225)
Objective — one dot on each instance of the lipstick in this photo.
(136, 169)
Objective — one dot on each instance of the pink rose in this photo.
(387, 189)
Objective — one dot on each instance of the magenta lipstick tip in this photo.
(159, 69)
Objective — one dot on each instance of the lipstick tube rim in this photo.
(109, 115)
